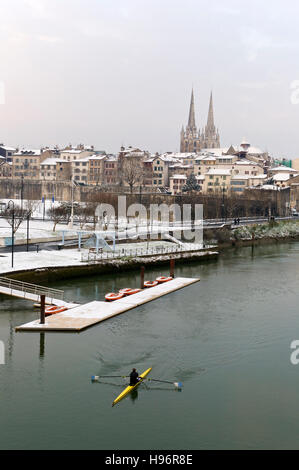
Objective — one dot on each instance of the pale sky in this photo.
(113, 72)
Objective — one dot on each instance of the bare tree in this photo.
(132, 170)
(85, 213)
(15, 216)
(58, 215)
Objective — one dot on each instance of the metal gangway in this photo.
(24, 290)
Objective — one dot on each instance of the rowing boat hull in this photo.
(130, 388)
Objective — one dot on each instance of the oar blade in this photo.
(95, 378)
(178, 384)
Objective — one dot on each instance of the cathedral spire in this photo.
(191, 121)
(210, 123)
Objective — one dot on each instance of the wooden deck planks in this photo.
(78, 318)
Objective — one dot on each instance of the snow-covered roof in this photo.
(219, 172)
(51, 161)
(240, 177)
(29, 152)
(210, 159)
(73, 151)
(272, 187)
(245, 162)
(179, 177)
(181, 165)
(261, 176)
(215, 152)
(10, 149)
(180, 155)
(251, 150)
(96, 157)
(282, 168)
(281, 177)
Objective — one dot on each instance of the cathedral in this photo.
(192, 140)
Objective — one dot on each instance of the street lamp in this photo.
(222, 206)
(72, 210)
(22, 191)
(12, 230)
(28, 219)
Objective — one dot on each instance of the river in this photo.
(227, 339)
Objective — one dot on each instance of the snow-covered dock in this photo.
(78, 318)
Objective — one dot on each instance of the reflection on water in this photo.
(227, 339)
(134, 395)
(42, 345)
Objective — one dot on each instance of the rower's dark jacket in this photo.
(134, 378)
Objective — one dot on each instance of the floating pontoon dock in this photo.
(78, 318)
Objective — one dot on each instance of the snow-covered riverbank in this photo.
(277, 230)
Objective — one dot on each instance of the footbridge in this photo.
(33, 292)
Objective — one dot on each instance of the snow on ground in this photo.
(42, 259)
(278, 230)
(37, 229)
(74, 257)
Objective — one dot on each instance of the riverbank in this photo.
(249, 235)
(70, 266)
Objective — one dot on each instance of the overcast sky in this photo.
(113, 72)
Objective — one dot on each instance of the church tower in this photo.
(211, 138)
(190, 138)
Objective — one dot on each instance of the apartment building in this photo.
(5, 168)
(176, 183)
(96, 169)
(26, 163)
(217, 180)
(111, 175)
(247, 168)
(48, 169)
(64, 170)
(71, 154)
(80, 170)
(7, 152)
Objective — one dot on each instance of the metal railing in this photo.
(92, 256)
(27, 288)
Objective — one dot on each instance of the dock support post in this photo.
(142, 277)
(172, 263)
(42, 309)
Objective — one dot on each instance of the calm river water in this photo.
(227, 339)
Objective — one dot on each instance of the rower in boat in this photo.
(134, 377)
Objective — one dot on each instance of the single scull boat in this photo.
(130, 388)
